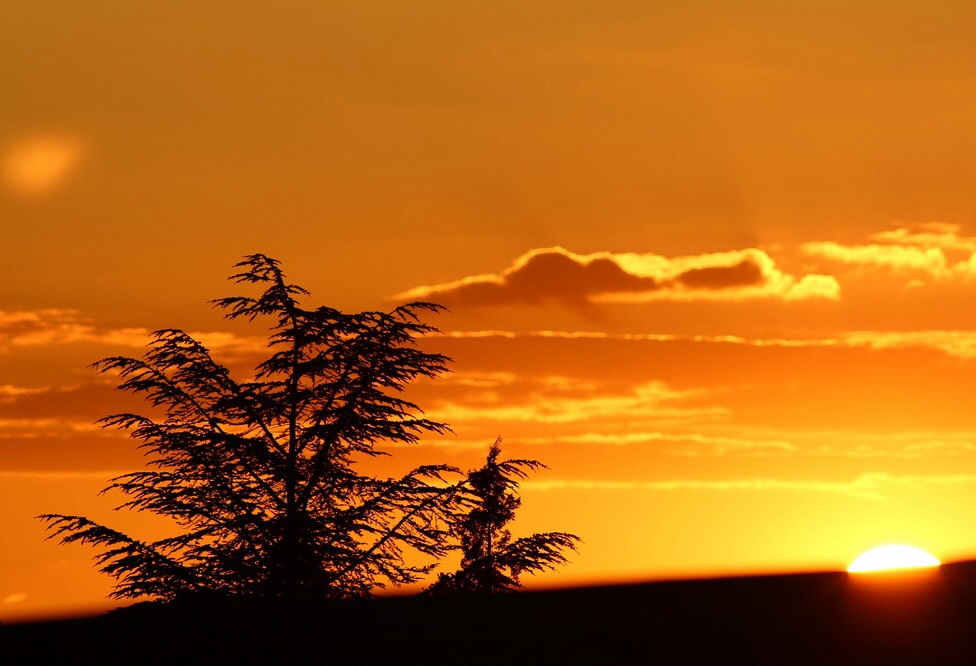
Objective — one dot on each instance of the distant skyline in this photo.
(715, 265)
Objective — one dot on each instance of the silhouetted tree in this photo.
(261, 475)
(491, 560)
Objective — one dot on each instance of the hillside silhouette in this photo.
(922, 617)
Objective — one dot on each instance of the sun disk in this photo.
(887, 558)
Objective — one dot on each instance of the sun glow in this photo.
(887, 558)
(37, 165)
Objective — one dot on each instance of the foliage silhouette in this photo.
(491, 561)
(261, 476)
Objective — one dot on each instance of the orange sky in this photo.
(713, 263)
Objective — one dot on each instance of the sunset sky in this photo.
(713, 263)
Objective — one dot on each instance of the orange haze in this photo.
(714, 264)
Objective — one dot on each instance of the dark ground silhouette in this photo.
(817, 618)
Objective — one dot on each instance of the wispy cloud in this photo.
(693, 446)
(479, 380)
(556, 275)
(874, 486)
(929, 234)
(793, 445)
(929, 260)
(716, 445)
(961, 344)
(43, 475)
(52, 428)
(24, 328)
(9, 392)
(61, 326)
(933, 249)
(652, 400)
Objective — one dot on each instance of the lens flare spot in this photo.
(37, 165)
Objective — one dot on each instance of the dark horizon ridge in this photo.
(820, 617)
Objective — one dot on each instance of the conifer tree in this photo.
(491, 560)
(261, 476)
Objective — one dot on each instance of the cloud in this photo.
(959, 344)
(9, 392)
(14, 598)
(651, 400)
(718, 445)
(928, 234)
(55, 326)
(37, 165)
(896, 257)
(722, 444)
(478, 379)
(936, 249)
(555, 275)
(42, 475)
(938, 447)
(858, 488)
(912, 446)
(61, 326)
(51, 427)
(873, 486)
(677, 443)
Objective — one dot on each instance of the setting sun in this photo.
(886, 558)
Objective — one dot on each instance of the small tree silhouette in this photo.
(491, 560)
(261, 476)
